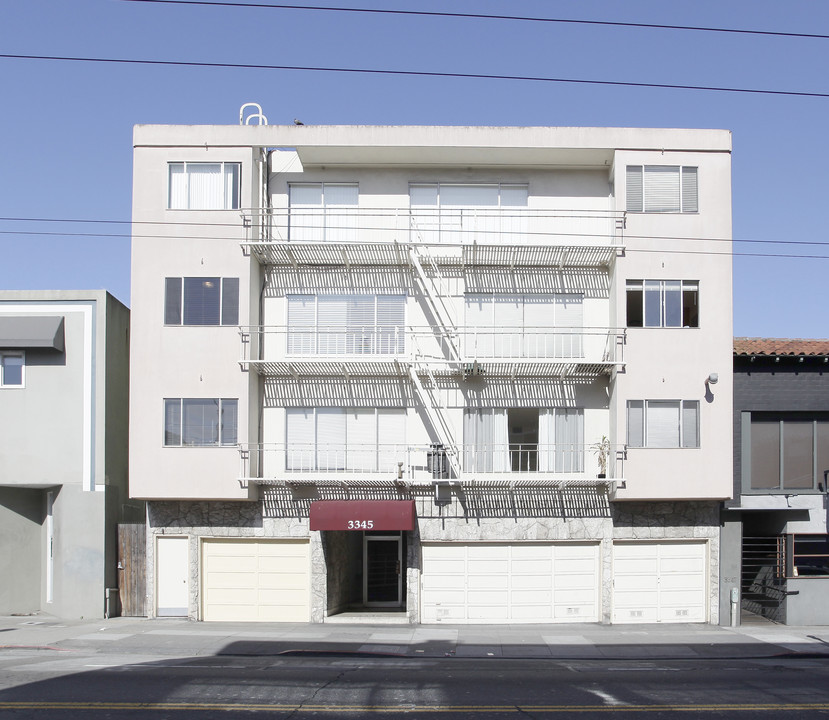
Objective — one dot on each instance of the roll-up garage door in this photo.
(257, 580)
(659, 582)
(502, 582)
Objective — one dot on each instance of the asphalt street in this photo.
(150, 669)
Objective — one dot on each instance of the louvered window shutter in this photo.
(634, 188)
(391, 438)
(361, 432)
(391, 319)
(661, 188)
(662, 424)
(332, 323)
(690, 200)
(331, 438)
(302, 334)
(300, 439)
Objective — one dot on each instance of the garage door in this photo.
(499, 582)
(266, 580)
(660, 582)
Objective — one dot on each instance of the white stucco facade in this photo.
(497, 266)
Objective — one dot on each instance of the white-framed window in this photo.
(662, 189)
(323, 211)
(12, 366)
(507, 325)
(203, 185)
(346, 324)
(663, 423)
(662, 303)
(201, 301)
(354, 439)
(523, 440)
(466, 213)
(200, 422)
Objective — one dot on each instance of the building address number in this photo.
(360, 524)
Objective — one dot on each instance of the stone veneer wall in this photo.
(502, 515)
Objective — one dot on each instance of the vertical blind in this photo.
(203, 186)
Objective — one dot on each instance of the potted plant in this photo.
(601, 450)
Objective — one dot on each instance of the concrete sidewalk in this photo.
(183, 638)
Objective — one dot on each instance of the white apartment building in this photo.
(453, 374)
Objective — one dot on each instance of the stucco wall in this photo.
(21, 551)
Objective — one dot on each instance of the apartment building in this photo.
(63, 451)
(450, 374)
(775, 546)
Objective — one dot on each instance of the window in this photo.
(545, 326)
(663, 423)
(203, 186)
(662, 303)
(486, 213)
(200, 422)
(662, 189)
(323, 212)
(807, 555)
(11, 369)
(355, 439)
(786, 453)
(346, 324)
(523, 440)
(201, 301)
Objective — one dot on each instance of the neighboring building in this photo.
(64, 373)
(443, 329)
(775, 542)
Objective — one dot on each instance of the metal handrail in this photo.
(419, 462)
(423, 343)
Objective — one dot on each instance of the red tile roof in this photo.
(779, 346)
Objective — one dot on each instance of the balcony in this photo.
(460, 237)
(391, 351)
(522, 464)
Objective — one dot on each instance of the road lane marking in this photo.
(398, 709)
(606, 696)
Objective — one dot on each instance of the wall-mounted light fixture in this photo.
(712, 379)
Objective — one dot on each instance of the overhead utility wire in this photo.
(175, 223)
(481, 16)
(665, 251)
(410, 73)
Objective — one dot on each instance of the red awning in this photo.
(363, 515)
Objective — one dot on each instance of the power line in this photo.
(412, 73)
(177, 223)
(481, 16)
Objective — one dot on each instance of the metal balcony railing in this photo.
(266, 347)
(537, 461)
(299, 235)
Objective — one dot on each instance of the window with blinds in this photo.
(323, 212)
(507, 325)
(352, 439)
(200, 422)
(663, 423)
(203, 186)
(346, 324)
(787, 453)
(201, 301)
(662, 189)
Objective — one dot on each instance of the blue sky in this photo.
(66, 127)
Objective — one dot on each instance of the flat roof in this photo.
(437, 145)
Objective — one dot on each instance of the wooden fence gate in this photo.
(132, 569)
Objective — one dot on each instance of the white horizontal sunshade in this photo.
(661, 187)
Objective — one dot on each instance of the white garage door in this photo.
(499, 582)
(266, 580)
(659, 582)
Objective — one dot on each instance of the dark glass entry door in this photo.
(383, 559)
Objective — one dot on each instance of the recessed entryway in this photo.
(383, 570)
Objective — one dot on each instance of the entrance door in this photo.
(172, 571)
(382, 570)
